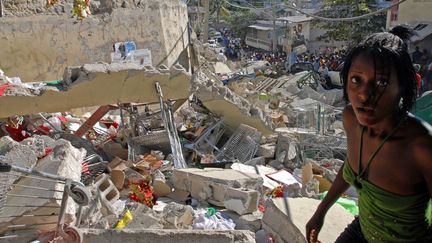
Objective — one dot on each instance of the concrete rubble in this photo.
(65, 160)
(161, 236)
(260, 151)
(227, 104)
(222, 187)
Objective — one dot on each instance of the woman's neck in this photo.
(383, 128)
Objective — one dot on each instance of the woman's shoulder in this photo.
(420, 130)
(420, 140)
(348, 118)
(421, 149)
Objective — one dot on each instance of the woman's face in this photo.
(372, 90)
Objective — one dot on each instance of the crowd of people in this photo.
(423, 64)
(328, 59)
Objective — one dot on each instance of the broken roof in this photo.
(260, 27)
(423, 30)
(295, 19)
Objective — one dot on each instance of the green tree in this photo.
(240, 20)
(350, 31)
(220, 8)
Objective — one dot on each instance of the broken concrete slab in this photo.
(238, 191)
(267, 150)
(221, 68)
(65, 160)
(241, 200)
(179, 196)
(163, 236)
(6, 144)
(198, 181)
(39, 144)
(256, 161)
(225, 103)
(160, 187)
(121, 83)
(287, 143)
(17, 154)
(145, 218)
(260, 170)
(251, 221)
(178, 216)
(285, 219)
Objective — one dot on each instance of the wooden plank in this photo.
(95, 117)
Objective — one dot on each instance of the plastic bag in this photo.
(203, 220)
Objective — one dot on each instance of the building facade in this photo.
(417, 14)
(38, 45)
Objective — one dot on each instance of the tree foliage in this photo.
(219, 8)
(350, 31)
(239, 21)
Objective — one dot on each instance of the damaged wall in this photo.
(40, 43)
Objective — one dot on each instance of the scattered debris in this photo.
(226, 155)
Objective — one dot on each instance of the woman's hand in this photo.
(315, 224)
(313, 227)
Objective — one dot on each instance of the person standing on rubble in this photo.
(389, 156)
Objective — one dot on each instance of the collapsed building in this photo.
(167, 154)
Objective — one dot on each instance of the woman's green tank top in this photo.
(386, 216)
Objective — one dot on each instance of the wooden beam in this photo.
(95, 117)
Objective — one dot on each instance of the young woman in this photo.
(389, 159)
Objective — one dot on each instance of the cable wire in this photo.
(320, 17)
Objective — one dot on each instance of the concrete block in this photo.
(198, 181)
(107, 191)
(251, 221)
(267, 150)
(285, 219)
(199, 190)
(232, 189)
(219, 192)
(241, 200)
